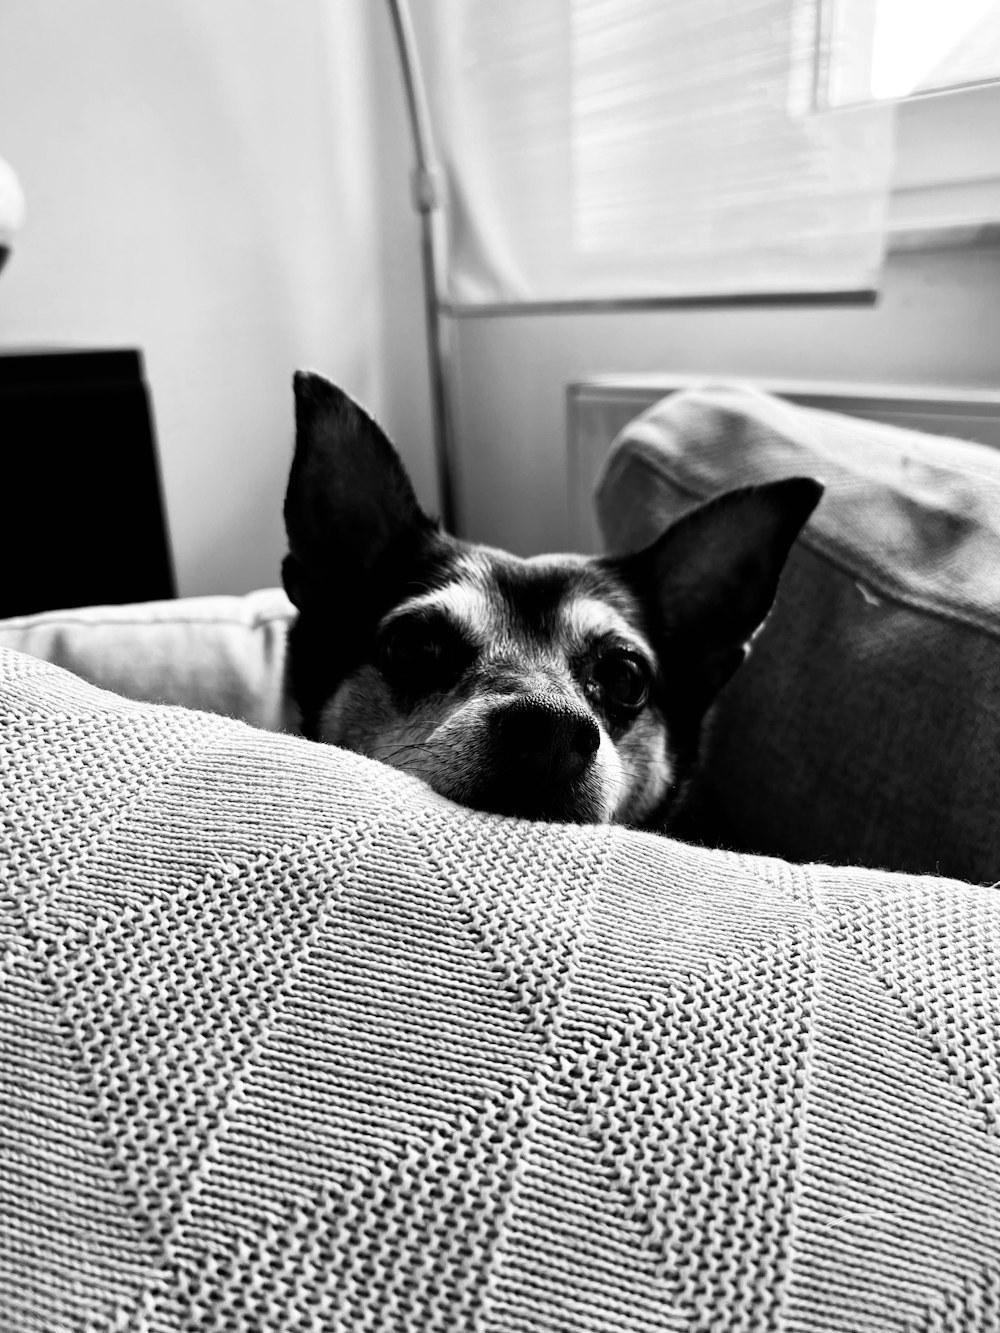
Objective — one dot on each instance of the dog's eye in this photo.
(407, 648)
(418, 656)
(622, 679)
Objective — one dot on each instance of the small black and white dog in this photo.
(559, 687)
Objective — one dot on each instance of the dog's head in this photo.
(557, 687)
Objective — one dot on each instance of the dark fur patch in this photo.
(340, 611)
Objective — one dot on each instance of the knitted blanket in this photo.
(288, 1043)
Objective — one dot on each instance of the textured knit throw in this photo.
(288, 1043)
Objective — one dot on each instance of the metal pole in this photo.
(427, 201)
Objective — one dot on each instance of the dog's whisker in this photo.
(402, 749)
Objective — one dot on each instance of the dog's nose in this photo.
(552, 740)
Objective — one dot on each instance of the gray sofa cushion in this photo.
(287, 1042)
(866, 725)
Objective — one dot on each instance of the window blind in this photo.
(644, 150)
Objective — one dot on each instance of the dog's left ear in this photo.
(349, 503)
(711, 578)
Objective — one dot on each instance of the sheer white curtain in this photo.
(608, 150)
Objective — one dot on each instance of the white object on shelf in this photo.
(11, 205)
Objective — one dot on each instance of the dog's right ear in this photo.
(349, 502)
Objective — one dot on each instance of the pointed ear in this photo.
(349, 500)
(711, 579)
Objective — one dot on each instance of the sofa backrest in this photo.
(865, 727)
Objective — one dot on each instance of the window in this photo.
(939, 62)
(877, 50)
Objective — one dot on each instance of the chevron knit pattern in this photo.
(287, 1043)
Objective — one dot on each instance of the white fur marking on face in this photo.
(584, 618)
(647, 770)
(464, 604)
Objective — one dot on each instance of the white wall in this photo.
(199, 184)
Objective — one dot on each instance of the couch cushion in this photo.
(290, 1042)
(221, 654)
(866, 725)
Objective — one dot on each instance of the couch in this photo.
(289, 1042)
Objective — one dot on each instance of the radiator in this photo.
(599, 409)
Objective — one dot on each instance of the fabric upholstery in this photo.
(220, 654)
(865, 726)
(289, 1043)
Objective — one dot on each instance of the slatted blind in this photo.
(606, 150)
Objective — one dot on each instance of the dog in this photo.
(558, 687)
